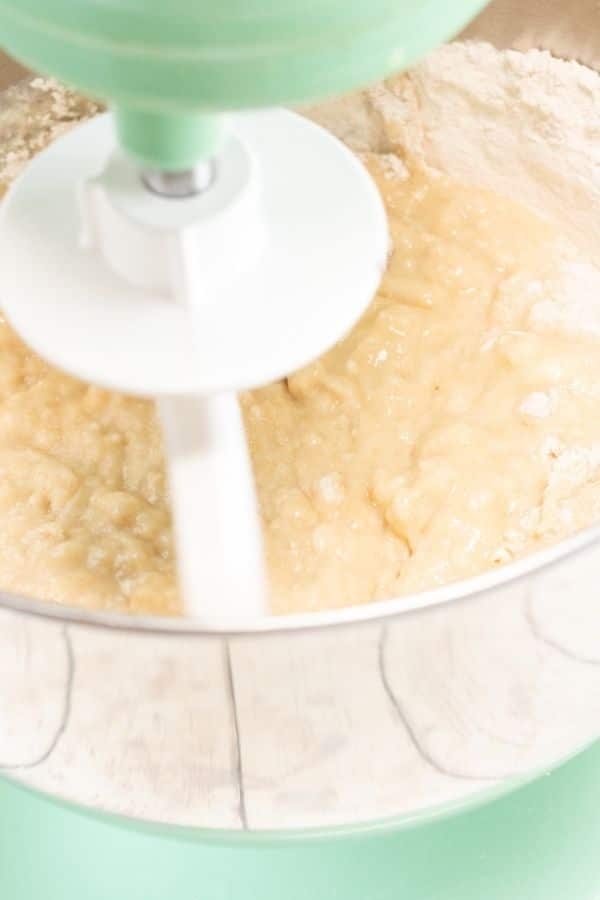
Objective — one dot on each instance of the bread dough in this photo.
(427, 446)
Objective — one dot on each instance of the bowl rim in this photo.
(380, 611)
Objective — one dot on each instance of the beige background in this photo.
(10, 71)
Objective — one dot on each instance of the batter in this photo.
(427, 446)
(437, 440)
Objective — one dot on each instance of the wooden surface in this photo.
(313, 729)
(10, 71)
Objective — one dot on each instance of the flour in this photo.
(393, 166)
(573, 305)
(526, 125)
(538, 405)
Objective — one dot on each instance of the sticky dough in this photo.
(456, 428)
(435, 441)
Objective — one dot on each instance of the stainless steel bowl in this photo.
(390, 710)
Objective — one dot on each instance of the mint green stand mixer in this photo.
(259, 218)
(171, 73)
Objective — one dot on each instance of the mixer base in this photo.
(537, 843)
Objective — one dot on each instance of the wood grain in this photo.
(36, 674)
(10, 71)
(320, 739)
(309, 729)
(150, 731)
(483, 695)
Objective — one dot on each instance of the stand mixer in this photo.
(192, 218)
(259, 219)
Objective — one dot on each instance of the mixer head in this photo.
(211, 253)
(168, 69)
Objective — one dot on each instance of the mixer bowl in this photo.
(388, 711)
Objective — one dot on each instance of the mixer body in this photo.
(387, 712)
(168, 68)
